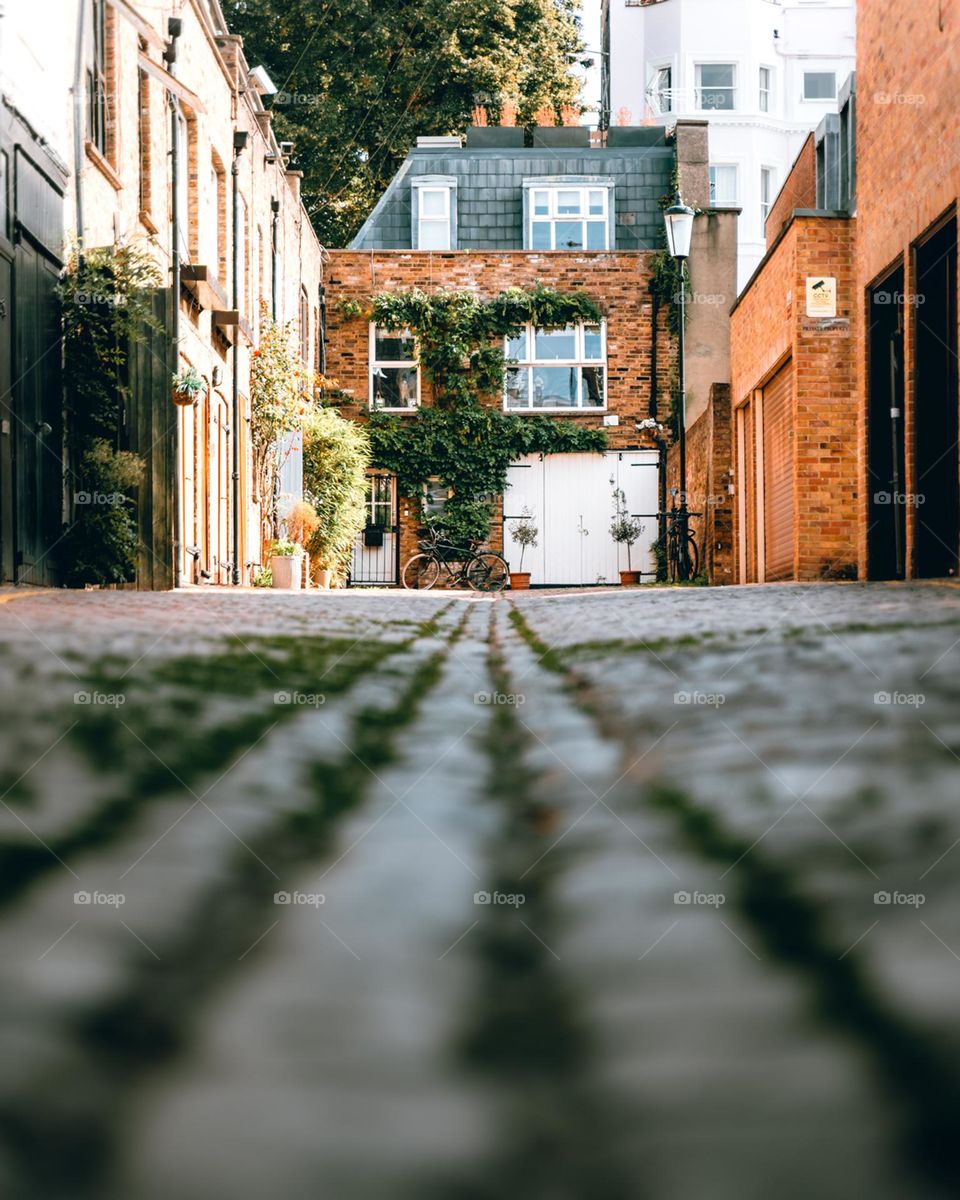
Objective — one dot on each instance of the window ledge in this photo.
(396, 411)
(147, 222)
(103, 166)
(556, 412)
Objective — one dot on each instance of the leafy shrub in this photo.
(336, 455)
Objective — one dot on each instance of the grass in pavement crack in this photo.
(152, 1016)
(796, 930)
(158, 744)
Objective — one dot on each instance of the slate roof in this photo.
(490, 193)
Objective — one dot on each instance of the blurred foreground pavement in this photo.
(647, 893)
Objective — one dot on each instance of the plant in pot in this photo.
(525, 534)
(625, 530)
(188, 386)
(286, 565)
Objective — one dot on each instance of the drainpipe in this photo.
(78, 122)
(655, 310)
(275, 210)
(239, 145)
(174, 28)
(322, 333)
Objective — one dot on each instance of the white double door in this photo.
(571, 499)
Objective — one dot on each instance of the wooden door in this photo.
(779, 522)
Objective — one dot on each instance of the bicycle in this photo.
(683, 554)
(480, 570)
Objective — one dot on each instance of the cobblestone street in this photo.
(646, 893)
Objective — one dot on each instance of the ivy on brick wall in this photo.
(465, 439)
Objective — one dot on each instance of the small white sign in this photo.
(821, 296)
(611, 419)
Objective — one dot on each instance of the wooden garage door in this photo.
(778, 516)
(749, 493)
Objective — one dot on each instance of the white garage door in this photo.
(571, 498)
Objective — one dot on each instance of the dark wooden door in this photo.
(7, 561)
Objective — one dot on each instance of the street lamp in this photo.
(678, 219)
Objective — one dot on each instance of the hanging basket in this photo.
(184, 399)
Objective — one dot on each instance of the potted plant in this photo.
(625, 530)
(286, 565)
(188, 386)
(525, 534)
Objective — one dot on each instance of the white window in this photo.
(394, 370)
(766, 192)
(661, 90)
(557, 369)
(766, 89)
(819, 85)
(433, 218)
(723, 185)
(717, 86)
(569, 218)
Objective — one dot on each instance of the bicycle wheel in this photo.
(693, 553)
(420, 572)
(487, 572)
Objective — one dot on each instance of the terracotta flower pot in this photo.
(287, 570)
(184, 399)
(519, 581)
(627, 578)
(323, 579)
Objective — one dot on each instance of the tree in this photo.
(359, 80)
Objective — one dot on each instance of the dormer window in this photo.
(434, 213)
(568, 216)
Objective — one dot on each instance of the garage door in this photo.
(571, 498)
(778, 517)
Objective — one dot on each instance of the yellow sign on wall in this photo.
(821, 296)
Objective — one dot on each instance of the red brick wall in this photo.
(768, 328)
(709, 475)
(617, 281)
(799, 190)
(908, 168)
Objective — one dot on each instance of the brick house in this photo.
(847, 406)
(578, 217)
(145, 69)
(793, 366)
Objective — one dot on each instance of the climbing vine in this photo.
(106, 297)
(465, 440)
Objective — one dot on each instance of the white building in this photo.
(763, 72)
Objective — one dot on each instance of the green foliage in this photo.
(465, 442)
(190, 383)
(263, 578)
(360, 79)
(106, 300)
(284, 548)
(624, 529)
(336, 455)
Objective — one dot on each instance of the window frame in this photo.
(97, 133)
(765, 93)
(420, 185)
(375, 364)
(735, 168)
(767, 174)
(733, 89)
(805, 99)
(529, 364)
(664, 104)
(553, 186)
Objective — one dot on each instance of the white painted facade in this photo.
(793, 46)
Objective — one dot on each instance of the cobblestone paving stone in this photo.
(613, 894)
